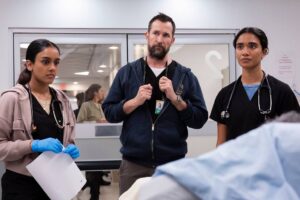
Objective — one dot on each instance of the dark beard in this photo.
(158, 54)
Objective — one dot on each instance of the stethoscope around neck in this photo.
(225, 113)
(54, 101)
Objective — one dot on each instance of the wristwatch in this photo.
(179, 99)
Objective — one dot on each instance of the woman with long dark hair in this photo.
(34, 118)
(91, 109)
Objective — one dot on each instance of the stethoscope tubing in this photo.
(55, 100)
(225, 113)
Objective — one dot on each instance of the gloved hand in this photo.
(72, 150)
(48, 144)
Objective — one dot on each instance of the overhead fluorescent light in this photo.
(102, 66)
(24, 45)
(75, 83)
(113, 47)
(85, 73)
(100, 70)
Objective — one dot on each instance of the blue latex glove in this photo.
(72, 150)
(48, 144)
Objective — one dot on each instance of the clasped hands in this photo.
(145, 91)
(54, 145)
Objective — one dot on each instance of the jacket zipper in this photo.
(152, 130)
(153, 123)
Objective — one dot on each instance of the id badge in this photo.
(158, 106)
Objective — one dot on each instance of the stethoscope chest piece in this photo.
(225, 114)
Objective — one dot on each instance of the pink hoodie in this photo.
(15, 128)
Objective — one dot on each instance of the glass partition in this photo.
(96, 58)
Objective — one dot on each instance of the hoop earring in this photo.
(266, 51)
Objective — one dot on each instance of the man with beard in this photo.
(157, 99)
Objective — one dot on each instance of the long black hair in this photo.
(33, 49)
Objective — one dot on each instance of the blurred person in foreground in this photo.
(262, 164)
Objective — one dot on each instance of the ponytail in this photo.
(24, 77)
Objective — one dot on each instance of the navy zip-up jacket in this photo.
(167, 141)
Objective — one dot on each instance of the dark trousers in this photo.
(130, 172)
(17, 186)
(94, 180)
